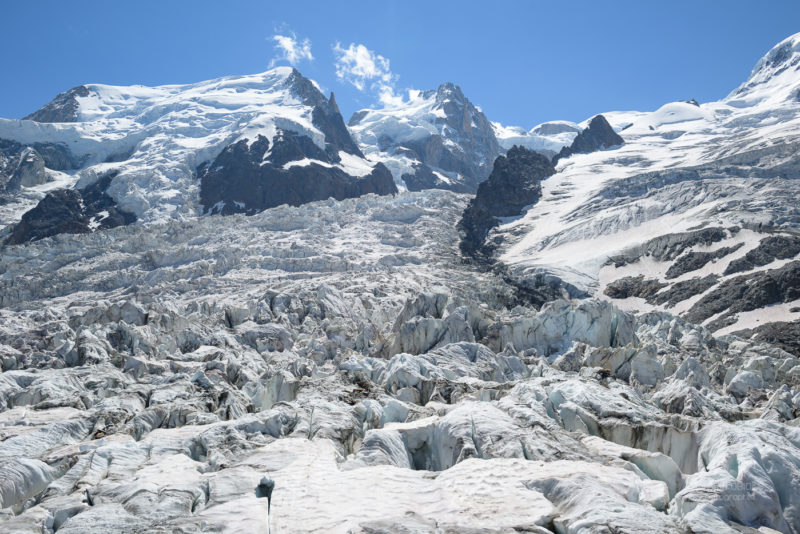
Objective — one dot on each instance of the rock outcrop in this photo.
(749, 292)
(325, 116)
(778, 247)
(71, 211)
(255, 174)
(30, 171)
(63, 108)
(24, 165)
(597, 136)
(250, 177)
(513, 185)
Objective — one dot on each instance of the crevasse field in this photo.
(623, 359)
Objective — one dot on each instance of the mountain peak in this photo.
(783, 55)
(597, 136)
(437, 138)
(306, 89)
(63, 108)
(778, 67)
(449, 90)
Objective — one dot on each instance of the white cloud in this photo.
(290, 49)
(364, 69)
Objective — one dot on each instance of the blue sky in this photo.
(522, 62)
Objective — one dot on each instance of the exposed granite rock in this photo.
(513, 185)
(653, 292)
(239, 180)
(633, 286)
(63, 108)
(25, 160)
(684, 290)
(749, 292)
(597, 136)
(670, 246)
(785, 335)
(71, 211)
(325, 116)
(775, 247)
(252, 175)
(30, 171)
(692, 261)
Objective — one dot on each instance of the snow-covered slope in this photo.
(439, 139)
(338, 367)
(434, 139)
(724, 164)
(155, 138)
(547, 138)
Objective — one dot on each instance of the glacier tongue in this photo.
(340, 366)
(152, 376)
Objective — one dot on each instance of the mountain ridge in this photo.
(350, 360)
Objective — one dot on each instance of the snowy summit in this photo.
(225, 309)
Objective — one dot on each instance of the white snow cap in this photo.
(156, 137)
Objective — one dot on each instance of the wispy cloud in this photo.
(290, 49)
(365, 69)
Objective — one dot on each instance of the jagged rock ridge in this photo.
(71, 211)
(154, 140)
(513, 185)
(248, 178)
(598, 135)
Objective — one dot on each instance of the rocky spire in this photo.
(597, 136)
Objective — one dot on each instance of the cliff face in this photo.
(597, 136)
(295, 172)
(513, 184)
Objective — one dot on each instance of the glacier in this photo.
(344, 366)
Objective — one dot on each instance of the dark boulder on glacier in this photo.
(597, 136)
(513, 185)
(249, 177)
(71, 211)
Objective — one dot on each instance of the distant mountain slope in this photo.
(154, 139)
(547, 138)
(623, 222)
(439, 139)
